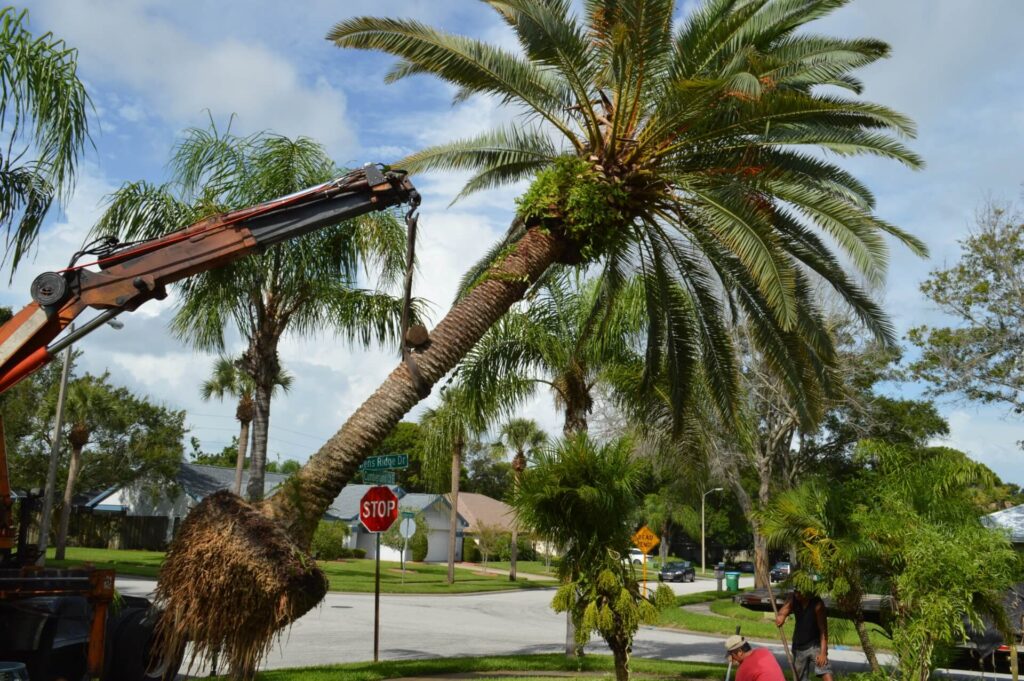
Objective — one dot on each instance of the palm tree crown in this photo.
(684, 153)
(305, 286)
(44, 124)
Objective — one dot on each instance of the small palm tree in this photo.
(447, 430)
(44, 127)
(524, 438)
(87, 400)
(566, 337)
(583, 497)
(227, 380)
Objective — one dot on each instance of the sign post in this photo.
(406, 529)
(645, 540)
(377, 510)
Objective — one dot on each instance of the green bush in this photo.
(418, 545)
(329, 540)
(359, 553)
(470, 551)
(663, 597)
(504, 549)
(346, 553)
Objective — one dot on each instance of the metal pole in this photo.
(51, 471)
(376, 606)
(703, 553)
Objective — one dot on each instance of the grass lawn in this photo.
(728, 615)
(531, 567)
(349, 575)
(510, 667)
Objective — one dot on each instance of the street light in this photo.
(58, 424)
(703, 553)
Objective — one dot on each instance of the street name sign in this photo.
(385, 462)
(379, 477)
(378, 509)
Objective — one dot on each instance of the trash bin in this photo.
(732, 581)
(719, 575)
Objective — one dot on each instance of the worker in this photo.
(754, 665)
(810, 635)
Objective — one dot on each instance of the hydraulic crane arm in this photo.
(130, 275)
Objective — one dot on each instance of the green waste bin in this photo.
(732, 581)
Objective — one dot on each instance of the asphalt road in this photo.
(498, 623)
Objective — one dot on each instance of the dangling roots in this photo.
(232, 580)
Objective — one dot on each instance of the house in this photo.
(1012, 521)
(435, 508)
(194, 483)
(480, 509)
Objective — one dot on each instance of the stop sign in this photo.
(378, 509)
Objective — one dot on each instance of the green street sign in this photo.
(379, 477)
(408, 514)
(385, 462)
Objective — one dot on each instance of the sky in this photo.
(155, 68)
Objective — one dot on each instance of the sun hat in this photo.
(734, 643)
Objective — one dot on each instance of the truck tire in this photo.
(128, 649)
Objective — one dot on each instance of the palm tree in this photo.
(525, 438)
(673, 151)
(583, 497)
(820, 522)
(227, 380)
(447, 430)
(565, 338)
(306, 286)
(664, 509)
(87, 400)
(44, 127)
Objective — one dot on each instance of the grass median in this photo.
(353, 575)
(505, 666)
(725, 616)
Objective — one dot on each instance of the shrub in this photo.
(359, 553)
(329, 540)
(663, 597)
(470, 551)
(418, 545)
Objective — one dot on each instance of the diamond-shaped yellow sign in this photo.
(644, 539)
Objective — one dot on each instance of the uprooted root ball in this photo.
(231, 581)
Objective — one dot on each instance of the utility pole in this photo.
(703, 553)
(51, 471)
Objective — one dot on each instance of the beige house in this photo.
(480, 509)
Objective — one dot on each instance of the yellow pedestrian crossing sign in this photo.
(644, 539)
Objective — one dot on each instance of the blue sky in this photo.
(154, 68)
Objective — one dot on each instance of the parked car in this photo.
(780, 571)
(677, 571)
(636, 557)
(745, 566)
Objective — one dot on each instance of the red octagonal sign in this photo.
(378, 509)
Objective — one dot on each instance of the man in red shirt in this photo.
(754, 665)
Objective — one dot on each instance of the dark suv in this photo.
(780, 571)
(680, 571)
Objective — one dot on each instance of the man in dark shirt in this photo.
(754, 665)
(810, 635)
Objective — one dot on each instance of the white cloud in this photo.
(134, 45)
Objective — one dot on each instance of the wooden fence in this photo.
(117, 531)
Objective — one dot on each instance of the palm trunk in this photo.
(258, 457)
(620, 654)
(312, 489)
(65, 511)
(865, 642)
(243, 444)
(454, 522)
